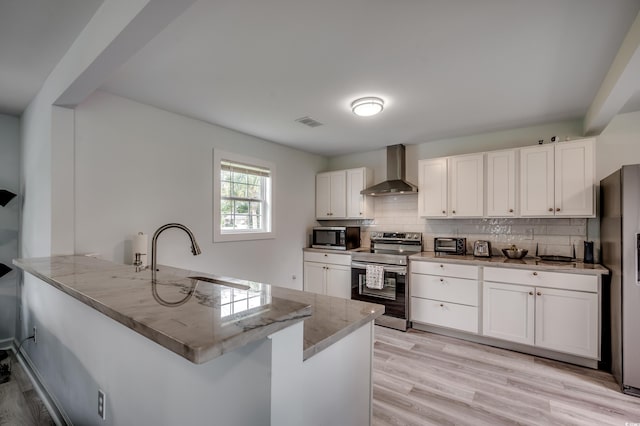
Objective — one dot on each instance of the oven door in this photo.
(392, 295)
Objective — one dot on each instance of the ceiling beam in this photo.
(620, 84)
(147, 23)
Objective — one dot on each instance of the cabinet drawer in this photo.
(542, 279)
(451, 315)
(445, 269)
(334, 258)
(448, 289)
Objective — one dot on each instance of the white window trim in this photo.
(225, 236)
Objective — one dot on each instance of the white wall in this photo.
(139, 167)
(400, 213)
(514, 138)
(618, 145)
(79, 351)
(9, 222)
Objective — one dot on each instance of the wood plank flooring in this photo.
(19, 402)
(422, 378)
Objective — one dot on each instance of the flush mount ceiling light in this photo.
(366, 107)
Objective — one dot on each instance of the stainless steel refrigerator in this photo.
(620, 238)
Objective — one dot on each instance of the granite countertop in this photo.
(197, 319)
(504, 262)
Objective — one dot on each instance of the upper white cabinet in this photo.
(451, 187)
(466, 176)
(557, 180)
(432, 185)
(501, 183)
(338, 194)
(358, 205)
(575, 178)
(331, 197)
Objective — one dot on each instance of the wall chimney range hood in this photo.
(396, 183)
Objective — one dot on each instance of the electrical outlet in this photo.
(102, 404)
(35, 335)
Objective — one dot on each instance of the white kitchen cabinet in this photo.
(558, 179)
(550, 310)
(331, 195)
(537, 181)
(466, 187)
(567, 321)
(451, 187)
(338, 281)
(314, 277)
(328, 274)
(574, 178)
(501, 183)
(508, 312)
(445, 295)
(358, 205)
(432, 188)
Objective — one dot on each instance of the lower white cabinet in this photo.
(558, 319)
(328, 274)
(508, 312)
(445, 295)
(567, 321)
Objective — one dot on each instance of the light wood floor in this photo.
(20, 405)
(422, 378)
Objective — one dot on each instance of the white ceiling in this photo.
(445, 68)
(34, 35)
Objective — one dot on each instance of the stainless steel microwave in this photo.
(336, 237)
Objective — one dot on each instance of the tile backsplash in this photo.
(554, 236)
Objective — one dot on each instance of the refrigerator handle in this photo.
(638, 259)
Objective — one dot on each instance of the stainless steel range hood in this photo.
(396, 183)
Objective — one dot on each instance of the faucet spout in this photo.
(195, 248)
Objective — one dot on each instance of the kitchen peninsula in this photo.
(239, 352)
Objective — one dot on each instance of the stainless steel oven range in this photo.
(390, 252)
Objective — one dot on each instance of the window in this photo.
(243, 208)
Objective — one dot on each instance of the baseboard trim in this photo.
(531, 350)
(57, 414)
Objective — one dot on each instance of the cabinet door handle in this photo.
(535, 274)
(441, 265)
(453, 211)
(441, 280)
(444, 212)
(558, 209)
(326, 255)
(510, 210)
(530, 293)
(539, 294)
(442, 305)
(550, 209)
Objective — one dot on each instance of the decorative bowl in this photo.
(515, 253)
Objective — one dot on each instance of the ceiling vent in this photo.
(308, 121)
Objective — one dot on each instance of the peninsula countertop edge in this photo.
(195, 319)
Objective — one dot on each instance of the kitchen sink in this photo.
(221, 282)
